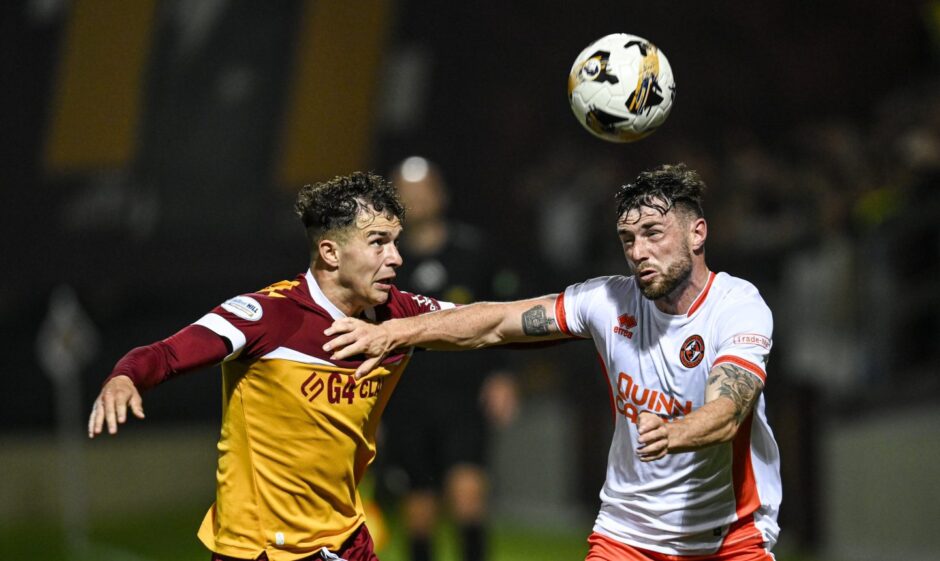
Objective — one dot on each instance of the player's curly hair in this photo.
(334, 205)
(662, 189)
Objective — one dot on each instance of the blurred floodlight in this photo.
(414, 169)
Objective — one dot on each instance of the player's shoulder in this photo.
(601, 296)
(735, 289)
(735, 296)
(282, 298)
(283, 289)
(610, 285)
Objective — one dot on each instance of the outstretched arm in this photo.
(468, 327)
(730, 395)
(144, 367)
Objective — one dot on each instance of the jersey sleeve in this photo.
(191, 348)
(575, 306)
(745, 335)
(253, 324)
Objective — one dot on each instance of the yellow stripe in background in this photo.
(329, 121)
(96, 104)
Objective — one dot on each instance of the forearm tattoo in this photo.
(536, 323)
(738, 385)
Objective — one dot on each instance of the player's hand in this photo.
(352, 337)
(112, 404)
(653, 436)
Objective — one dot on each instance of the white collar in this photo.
(317, 294)
(321, 298)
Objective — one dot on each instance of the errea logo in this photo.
(626, 322)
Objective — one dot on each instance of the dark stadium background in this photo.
(151, 149)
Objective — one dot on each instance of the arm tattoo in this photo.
(738, 385)
(536, 323)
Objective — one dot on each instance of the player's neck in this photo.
(680, 300)
(335, 292)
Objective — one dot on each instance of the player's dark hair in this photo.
(334, 205)
(662, 189)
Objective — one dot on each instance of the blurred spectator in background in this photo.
(819, 272)
(566, 190)
(436, 427)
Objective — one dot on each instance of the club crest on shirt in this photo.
(244, 307)
(692, 351)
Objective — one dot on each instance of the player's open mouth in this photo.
(385, 283)
(646, 274)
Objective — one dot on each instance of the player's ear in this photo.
(698, 231)
(328, 252)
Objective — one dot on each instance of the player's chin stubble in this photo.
(668, 281)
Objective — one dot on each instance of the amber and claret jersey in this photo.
(693, 503)
(298, 430)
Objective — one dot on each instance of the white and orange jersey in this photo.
(682, 504)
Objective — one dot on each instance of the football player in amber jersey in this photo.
(298, 429)
(693, 471)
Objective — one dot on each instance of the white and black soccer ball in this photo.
(621, 88)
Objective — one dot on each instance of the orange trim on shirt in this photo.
(701, 297)
(560, 314)
(747, 365)
(745, 486)
(741, 534)
(610, 387)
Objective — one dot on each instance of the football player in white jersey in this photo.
(693, 471)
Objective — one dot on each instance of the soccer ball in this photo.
(621, 88)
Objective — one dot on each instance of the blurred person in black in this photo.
(436, 428)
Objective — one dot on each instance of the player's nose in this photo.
(393, 256)
(636, 252)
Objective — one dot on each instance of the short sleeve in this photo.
(575, 306)
(745, 335)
